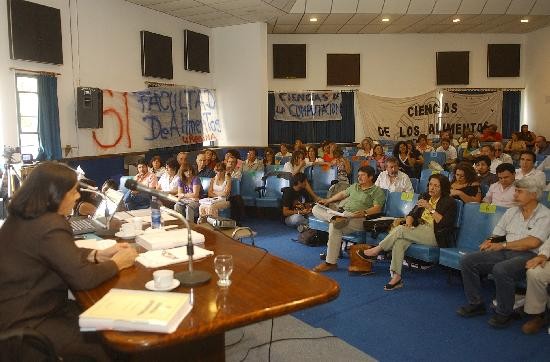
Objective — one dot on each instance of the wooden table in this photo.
(263, 286)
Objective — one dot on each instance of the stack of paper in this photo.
(160, 258)
(144, 214)
(95, 244)
(334, 212)
(136, 310)
(168, 239)
(211, 200)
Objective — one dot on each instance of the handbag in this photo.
(357, 265)
(378, 225)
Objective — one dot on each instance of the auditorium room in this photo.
(274, 180)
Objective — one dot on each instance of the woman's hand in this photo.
(106, 254)
(125, 257)
(423, 203)
(536, 261)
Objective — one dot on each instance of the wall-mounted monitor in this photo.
(289, 61)
(34, 32)
(343, 69)
(453, 67)
(503, 60)
(197, 52)
(156, 55)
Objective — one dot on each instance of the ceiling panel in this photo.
(307, 29)
(520, 7)
(344, 6)
(318, 6)
(328, 29)
(362, 19)
(320, 19)
(351, 29)
(496, 6)
(299, 7)
(236, 4)
(542, 7)
(174, 5)
(193, 11)
(395, 6)
(446, 6)
(421, 6)
(370, 6)
(284, 29)
(471, 6)
(435, 28)
(289, 19)
(373, 29)
(334, 19)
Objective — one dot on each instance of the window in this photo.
(27, 113)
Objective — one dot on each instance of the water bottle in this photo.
(155, 214)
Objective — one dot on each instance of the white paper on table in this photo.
(159, 258)
(144, 214)
(95, 244)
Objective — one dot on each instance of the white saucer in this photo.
(122, 235)
(151, 286)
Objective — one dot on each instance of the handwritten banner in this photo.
(429, 113)
(155, 118)
(308, 106)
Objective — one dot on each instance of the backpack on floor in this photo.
(357, 265)
(311, 237)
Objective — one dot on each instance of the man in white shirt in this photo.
(501, 193)
(527, 168)
(252, 163)
(489, 151)
(536, 297)
(230, 167)
(450, 152)
(500, 155)
(392, 179)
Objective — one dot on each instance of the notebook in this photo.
(334, 212)
(99, 221)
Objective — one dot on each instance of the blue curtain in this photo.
(48, 119)
(313, 132)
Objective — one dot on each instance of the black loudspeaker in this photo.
(89, 107)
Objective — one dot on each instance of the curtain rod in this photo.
(316, 90)
(35, 71)
(483, 89)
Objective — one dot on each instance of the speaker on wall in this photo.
(344, 69)
(89, 107)
(34, 32)
(453, 67)
(196, 51)
(156, 55)
(503, 60)
(289, 61)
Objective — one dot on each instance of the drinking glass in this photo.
(223, 264)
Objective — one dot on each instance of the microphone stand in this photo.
(107, 232)
(191, 277)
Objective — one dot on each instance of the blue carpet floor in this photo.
(417, 322)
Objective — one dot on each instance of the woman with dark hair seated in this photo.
(40, 262)
(156, 166)
(465, 184)
(430, 222)
(407, 161)
(134, 200)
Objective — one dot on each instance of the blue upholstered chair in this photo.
(414, 182)
(249, 182)
(545, 199)
(426, 173)
(321, 178)
(235, 190)
(439, 157)
(271, 194)
(478, 222)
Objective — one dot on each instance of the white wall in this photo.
(240, 79)
(102, 50)
(537, 100)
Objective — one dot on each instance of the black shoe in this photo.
(500, 321)
(471, 310)
(397, 285)
(362, 255)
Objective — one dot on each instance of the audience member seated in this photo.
(211, 158)
(156, 166)
(527, 136)
(536, 297)
(299, 145)
(252, 162)
(430, 222)
(489, 151)
(515, 146)
(202, 166)
(269, 157)
(465, 185)
(231, 167)
(450, 153)
(524, 228)
(238, 162)
(296, 202)
(490, 134)
(189, 191)
(360, 199)
(220, 187)
(323, 148)
(448, 135)
(527, 168)
(134, 200)
(182, 158)
(392, 179)
(40, 263)
(169, 181)
(284, 152)
(485, 177)
(500, 155)
(311, 158)
(544, 164)
(365, 148)
(328, 152)
(343, 166)
(463, 140)
(422, 144)
(501, 193)
(541, 146)
(380, 157)
(296, 163)
(472, 149)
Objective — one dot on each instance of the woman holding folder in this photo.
(40, 262)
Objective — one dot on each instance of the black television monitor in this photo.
(503, 60)
(289, 61)
(34, 32)
(156, 55)
(343, 69)
(453, 67)
(196, 52)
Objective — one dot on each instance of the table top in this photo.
(263, 286)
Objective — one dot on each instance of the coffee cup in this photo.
(138, 223)
(128, 228)
(163, 278)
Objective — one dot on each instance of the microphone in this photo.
(136, 186)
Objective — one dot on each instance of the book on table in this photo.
(136, 310)
(168, 239)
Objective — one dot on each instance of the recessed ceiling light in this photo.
(385, 20)
(313, 20)
(456, 20)
(524, 20)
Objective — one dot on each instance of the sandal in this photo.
(397, 285)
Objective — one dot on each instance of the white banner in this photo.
(155, 118)
(308, 106)
(429, 113)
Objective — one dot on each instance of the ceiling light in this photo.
(524, 20)
(313, 20)
(456, 20)
(385, 20)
